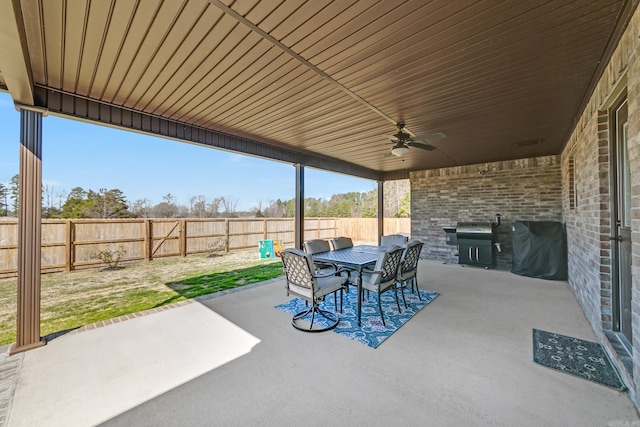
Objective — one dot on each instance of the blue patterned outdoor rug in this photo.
(585, 359)
(371, 332)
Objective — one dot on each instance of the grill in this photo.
(475, 230)
(451, 240)
(451, 235)
(476, 242)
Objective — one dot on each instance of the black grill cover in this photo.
(539, 249)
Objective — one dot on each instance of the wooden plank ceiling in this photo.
(331, 78)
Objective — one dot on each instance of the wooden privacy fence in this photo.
(74, 243)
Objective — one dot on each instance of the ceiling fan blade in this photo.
(430, 136)
(400, 136)
(421, 146)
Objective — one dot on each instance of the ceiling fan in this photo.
(402, 141)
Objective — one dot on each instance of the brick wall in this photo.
(633, 96)
(587, 202)
(519, 190)
(588, 219)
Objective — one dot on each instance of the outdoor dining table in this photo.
(355, 259)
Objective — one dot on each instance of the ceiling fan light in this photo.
(399, 151)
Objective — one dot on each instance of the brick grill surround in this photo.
(519, 190)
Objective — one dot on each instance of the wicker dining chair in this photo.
(317, 246)
(303, 282)
(393, 239)
(384, 275)
(408, 271)
(341, 243)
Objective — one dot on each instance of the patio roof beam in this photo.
(83, 108)
(16, 68)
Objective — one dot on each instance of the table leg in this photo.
(359, 295)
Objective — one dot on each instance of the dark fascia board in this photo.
(85, 109)
(396, 175)
(623, 20)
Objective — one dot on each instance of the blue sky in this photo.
(78, 154)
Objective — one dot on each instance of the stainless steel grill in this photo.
(476, 242)
(475, 230)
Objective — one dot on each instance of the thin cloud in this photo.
(236, 158)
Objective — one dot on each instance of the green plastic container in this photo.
(266, 249)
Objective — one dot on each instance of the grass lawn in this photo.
(77, 298)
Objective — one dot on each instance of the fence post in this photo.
(148, 240)
(182, 239)
(264, 229)
(69, 245)
(226, 235)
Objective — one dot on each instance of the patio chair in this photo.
(393, 239)
(303, 282)
(341, 243)
(317, 246)
(384, 275)
(408, 271)
(323, 268)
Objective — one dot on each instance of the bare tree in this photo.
(183, 212)
(47, 196)
(394, 192)
(61, 197)
(52, 200)
(198, 207)
(167, 208)
(213, 208)
(258, 211)
(229, 204)
(275, 209)
(141, 208)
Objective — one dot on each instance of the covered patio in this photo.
(527, 109)
(465, 359)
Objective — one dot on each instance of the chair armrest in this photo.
(333, 273)
(322, 264)
(343, 269)
(320, 276)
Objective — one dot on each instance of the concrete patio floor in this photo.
(234, 360)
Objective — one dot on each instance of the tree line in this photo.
(112, 203)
